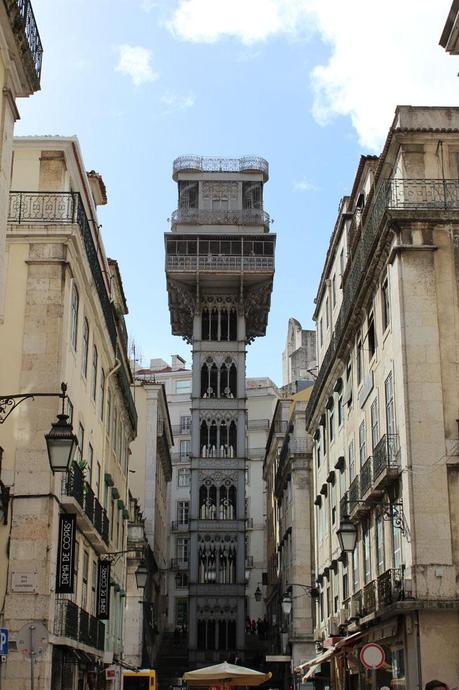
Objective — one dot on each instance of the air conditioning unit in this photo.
(354, 609)
(343, 616)
(333, 626)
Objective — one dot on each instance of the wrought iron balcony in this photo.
(390, 199)
(390, 587)
(249, 264)
(369, 598)
(66, 619)
(386, 459)
(23, 22)
(205, 216)
(77, 624)
(354, 495)
(213, 164)
(180, 525)
(344, 506)
(365, 476)
(355, 608)
(77, 495)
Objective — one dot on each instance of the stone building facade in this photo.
(219, 267)
(64, 321)
(383, 413)
(288, 475)
(299, 359)
(176, 380)
(151, 472)
(21, 55)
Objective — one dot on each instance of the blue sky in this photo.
(307, 84)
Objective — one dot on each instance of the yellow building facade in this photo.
(64, 321)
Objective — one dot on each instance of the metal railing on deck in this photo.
(366, 476)
(205, 216)
(220, 263)
(385, 454)
(215, 164)
(74, 485)
(31, 33)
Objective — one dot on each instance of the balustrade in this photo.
(31, 34)
(369, 598)
(74, 622)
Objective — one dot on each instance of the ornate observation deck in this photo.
(220, 240)
(207, 164)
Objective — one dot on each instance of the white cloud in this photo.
(381, 54)
(304, 185)
(208, 20)
(174, 101)
(135, 62)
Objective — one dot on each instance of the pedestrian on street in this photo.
(436, 685)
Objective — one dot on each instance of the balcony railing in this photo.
(77, 624)
(366, 476)
(31, 33)
(205, 216)
(66, 619)
(391, 196)
(210, 164)
(220, 263)
(390, 587)
(369, 598)
(180, 525)
(62, 208)
(344, 506)
(386, 455)
(75, 486)
(354, 494)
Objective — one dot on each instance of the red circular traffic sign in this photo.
(372, 655)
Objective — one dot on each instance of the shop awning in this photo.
(349, 640)
(316, 661)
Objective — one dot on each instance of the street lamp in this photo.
(347, 534)
(286, 603)
(61, 442)
(141, 575)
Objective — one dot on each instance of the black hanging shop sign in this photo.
(66, 554)
(103, 590)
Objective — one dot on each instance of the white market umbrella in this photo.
(225, 674)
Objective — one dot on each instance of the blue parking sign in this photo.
(3, 641)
